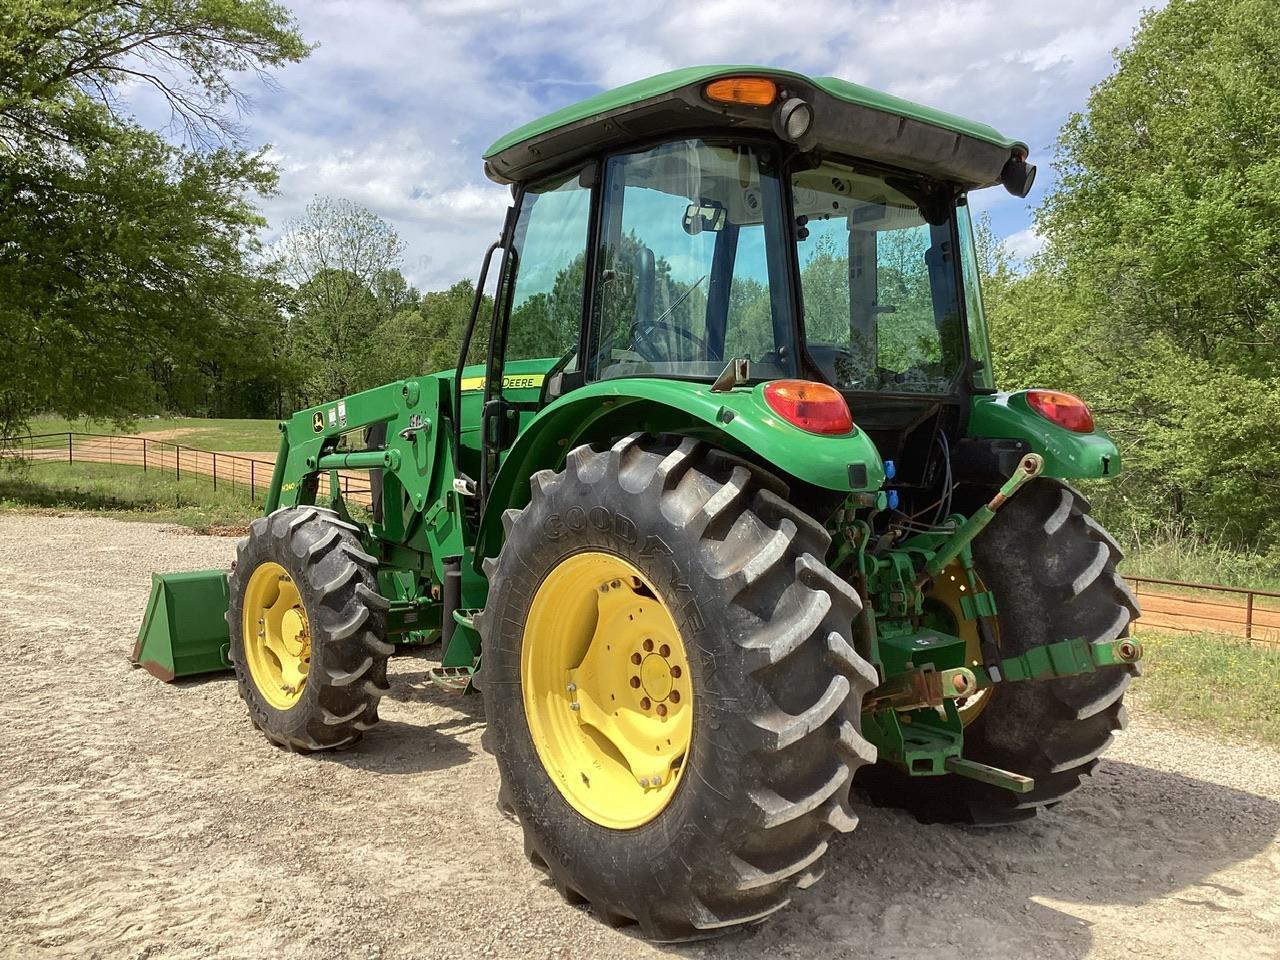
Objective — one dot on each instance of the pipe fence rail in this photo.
(1254, 616)
(230, 470)
(1241, 612)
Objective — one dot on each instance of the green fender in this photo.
(738, 420)
(1067, 455)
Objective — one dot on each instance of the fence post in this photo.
(1248, 616)
(177, 462)
(215, 470)
(69, 453)
(253, 493)
(144, 454)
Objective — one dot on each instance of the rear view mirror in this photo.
(705, 215)
(1018, 176)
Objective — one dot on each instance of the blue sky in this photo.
(399, 100)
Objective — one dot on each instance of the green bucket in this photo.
(184, 631)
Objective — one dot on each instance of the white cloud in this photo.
(399, 100)
(1024, 244)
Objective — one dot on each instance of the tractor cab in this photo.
(751, 223)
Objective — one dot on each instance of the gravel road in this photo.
(144, 820)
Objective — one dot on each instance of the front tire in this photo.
(773, 682)
(307, 629)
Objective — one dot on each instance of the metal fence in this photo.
(228, 470)
(1241, 612)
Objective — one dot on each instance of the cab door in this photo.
(538, 328)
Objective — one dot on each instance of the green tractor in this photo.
(731, 517)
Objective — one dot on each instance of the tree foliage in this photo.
(426, 338)
(1158, 296)
(125, 257)
(343, 262)
(63, 64)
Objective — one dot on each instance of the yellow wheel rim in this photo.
(948, 589)
(277, 642)
(607, 692)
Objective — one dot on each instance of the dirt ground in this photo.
(142, 820)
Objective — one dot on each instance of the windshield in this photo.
(881, 304)
(691, 268)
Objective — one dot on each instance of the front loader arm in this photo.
(311, 434)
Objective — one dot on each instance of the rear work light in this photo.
(1064, 409)
(743, 91)
(814, 407)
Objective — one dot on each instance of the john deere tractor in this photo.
(731, 517)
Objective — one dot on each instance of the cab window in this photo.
(691, 267)
(550, 244)
(882, 308)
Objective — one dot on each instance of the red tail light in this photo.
(814, 407)
(1064, 409)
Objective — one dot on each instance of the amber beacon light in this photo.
(743, 91)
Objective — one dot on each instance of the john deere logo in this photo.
(317, 421)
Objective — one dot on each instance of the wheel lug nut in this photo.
(575, 705)
(635, 683)
(656, 781)
(664, 650)
(615, 584)
(675, 696)
(644, 782)
(644, 703)
(675, 672)
(648, 646)
(636, 658)
(662, 709)
(572, 688)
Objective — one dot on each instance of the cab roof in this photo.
(849, 119)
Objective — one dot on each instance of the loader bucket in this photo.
(184, 631)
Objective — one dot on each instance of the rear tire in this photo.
(776, 686)
(1052, 570)
(336, 583)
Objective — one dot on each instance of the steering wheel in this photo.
(646, 348)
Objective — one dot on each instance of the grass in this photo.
(126, 493)
(1224, 686)
(1176, 554)
(258, 436)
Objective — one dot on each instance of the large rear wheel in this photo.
(671, 688)
(1052, 570)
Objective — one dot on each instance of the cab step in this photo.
(456, 679)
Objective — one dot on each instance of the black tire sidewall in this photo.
(662, 850)
(291, 723)
(337, 584)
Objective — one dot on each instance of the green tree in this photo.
(121, 249)
(426, 338)
(1158, 296)
(343, 261)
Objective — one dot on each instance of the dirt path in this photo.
(1218, 614)
(144, 820)
(181, 434)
